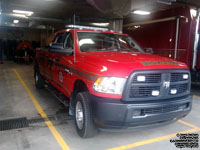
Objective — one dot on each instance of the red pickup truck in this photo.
(111, 83)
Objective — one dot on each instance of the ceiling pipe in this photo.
(177, 37)
(166, 2)
(156, 21)
(196, 40)
(183, 2)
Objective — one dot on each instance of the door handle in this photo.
(67, 71)
(57, 59)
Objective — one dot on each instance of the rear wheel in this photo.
(83, 116)
(39, 80)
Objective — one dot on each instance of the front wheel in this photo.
(39, 81)
(83, 116)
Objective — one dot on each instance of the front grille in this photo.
(175, 77)
(143, 91)
(164, 109)
(149, 78)
(181, 88)
(157, 85)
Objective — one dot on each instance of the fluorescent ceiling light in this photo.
(20, 15)
(28, 13)
(141, 12)
(15, 21)
(101, 24)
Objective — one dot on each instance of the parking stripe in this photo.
(153, 140)
(51, 127)
(188, 124)
(196, 96)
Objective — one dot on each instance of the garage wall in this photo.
(45, 37)
(161, 36)
(10, 33)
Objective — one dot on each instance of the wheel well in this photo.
(35, 65)
(79, 86)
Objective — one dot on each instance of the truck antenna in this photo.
(74, 22)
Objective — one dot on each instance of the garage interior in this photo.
(34, 119)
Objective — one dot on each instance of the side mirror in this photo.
(59, 48)
(56, 45)
(149, 50)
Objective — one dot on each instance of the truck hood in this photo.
(121, 64)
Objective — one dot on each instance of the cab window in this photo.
(60, 38)
(69, 41)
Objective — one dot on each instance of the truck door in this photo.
(41, 60)
(52, 57)
(63, 65)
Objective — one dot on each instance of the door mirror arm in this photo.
(149, 50)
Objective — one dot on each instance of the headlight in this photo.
(111, 85)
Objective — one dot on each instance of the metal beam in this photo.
(196, 40)
(155, 21)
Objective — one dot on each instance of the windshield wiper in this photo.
(129, 49)
(108, 49)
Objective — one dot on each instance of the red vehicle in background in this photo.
(173, 33)
(24, 51)
(110, 83)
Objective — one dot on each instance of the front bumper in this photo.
(116, 114)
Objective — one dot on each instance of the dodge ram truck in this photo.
(110, 82)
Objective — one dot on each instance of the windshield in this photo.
(93, 41)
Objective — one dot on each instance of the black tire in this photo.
(39, 80)
(88, 129)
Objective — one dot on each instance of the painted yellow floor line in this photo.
(125, 147)
(196, 96)
(51, 127)
(188, 124)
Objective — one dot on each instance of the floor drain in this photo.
(15, 123)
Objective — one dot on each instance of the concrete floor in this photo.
(15, 102)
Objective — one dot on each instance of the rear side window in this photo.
(60, 38)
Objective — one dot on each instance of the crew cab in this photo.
(111, 83)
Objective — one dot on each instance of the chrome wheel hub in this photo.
(79, 115)
(36, 77)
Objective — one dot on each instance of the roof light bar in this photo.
(86, 27)
(28, 13)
